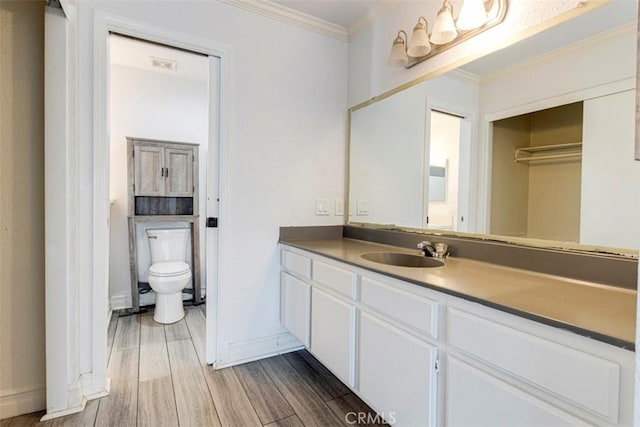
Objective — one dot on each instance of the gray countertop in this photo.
(602, 312)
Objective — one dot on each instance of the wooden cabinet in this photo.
(333, 333)
(397, 373)
(163, 171)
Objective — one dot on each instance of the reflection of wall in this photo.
(610, 199)
(509, 180)
(536, 199)
(157, 106)
(387, 150)
(554, 187)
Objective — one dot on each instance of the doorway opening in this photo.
(166, 100)
(447, 137)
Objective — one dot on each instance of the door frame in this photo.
(465, 161)
(68, 388)
(218, 110)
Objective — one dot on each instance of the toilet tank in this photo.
(169, 244)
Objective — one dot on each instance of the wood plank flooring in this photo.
(159, 378)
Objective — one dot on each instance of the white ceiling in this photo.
(137, 54)
(341, 12)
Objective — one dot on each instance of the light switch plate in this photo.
(362, 208)
(339, 207)
(322, 206)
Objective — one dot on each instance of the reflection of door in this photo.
(444, 189)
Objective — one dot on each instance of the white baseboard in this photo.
(119, 302)
(260, 348)
(26, 402)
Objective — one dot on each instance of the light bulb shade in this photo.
(444, 30)
(472, 15)
(419, 44)
(398, 55)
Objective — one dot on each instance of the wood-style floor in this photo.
(159, 378)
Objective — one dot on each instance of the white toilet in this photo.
(169, 273)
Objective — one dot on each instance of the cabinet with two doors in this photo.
(163, 188)
(420, 357)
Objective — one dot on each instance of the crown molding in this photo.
(293, 17)
(465, 76)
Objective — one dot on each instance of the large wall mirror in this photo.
(534, 142)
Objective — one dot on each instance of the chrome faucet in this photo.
(427, 248)
(438, 250)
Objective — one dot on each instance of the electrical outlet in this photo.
(322, 206)
(339, 207)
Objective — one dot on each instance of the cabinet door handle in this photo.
(161, 171)
(166, 172)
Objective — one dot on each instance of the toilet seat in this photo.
(169, 269)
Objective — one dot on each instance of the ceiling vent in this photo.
(165, 64)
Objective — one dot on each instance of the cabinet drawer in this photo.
(298, 264)
(335, 278)
(585, 380)
(412, 310)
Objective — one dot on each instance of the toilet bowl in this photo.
(169, 274)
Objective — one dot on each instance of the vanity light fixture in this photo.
(472, 15)
(419, 44)
(398, 54)
(475, 17)
(444, 30)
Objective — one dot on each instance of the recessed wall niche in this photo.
(536, 174)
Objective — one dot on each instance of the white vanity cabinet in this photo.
(506, 370)
(397, 373)
(295, 307)
(333, 333)
(424, 358)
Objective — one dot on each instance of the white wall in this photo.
(285, 149)
(151, 105)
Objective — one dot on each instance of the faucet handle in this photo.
(441, 250)
(424, 244)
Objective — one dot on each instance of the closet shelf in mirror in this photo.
(567, 151)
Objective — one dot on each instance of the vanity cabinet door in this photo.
(476, 398)
(295, 307)
(333, 334)
(178, 165)
(397, 373)
(148, 170)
